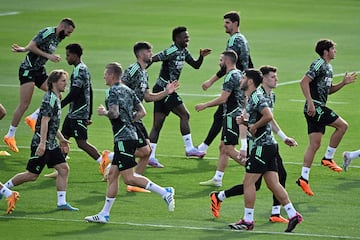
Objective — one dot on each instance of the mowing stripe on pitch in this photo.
(187, 227)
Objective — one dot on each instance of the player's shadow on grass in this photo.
(91, 230)
(203, 166)
(347, 185)
(93, 197)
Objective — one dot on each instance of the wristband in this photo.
(282, 135)
(243, 144)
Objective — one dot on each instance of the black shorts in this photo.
(262, 159)
(36, 76)
(168, 103)
(142, 134)
(323, 117)
(124, 154)
(230, 131)
(50, 158)
(76, 128)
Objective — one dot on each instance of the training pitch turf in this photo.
(281, 33)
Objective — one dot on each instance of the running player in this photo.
(316, 85)
(80, 98)
(262, 159)
(239, 44)
(123, 108)
(32, 72)
(45, 150)
(232, 100)
(136, 78)
(173, 59)
(269, 82)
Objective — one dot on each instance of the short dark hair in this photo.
(233, 16)
(68, 21)
(231, 54)
(54, 76)
(176, 31)
(255, 75)
(75, 48)
(141, 46)
(322, 45)
(267, 68)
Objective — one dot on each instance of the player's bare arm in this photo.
(170, 88)
(140, 112)
(197, 63)
(112, 113)
(64, 143)
(348, 78)
(265, 118)
(43, 136)
(305, 87)
(34, 49)
(208, 83)
(215, 102)
(287, 140)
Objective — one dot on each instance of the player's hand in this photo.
(204, 52)
(242, 157)
(199, 107)
(349, 78)
(17, 48)
(311, 111)
(241, 120)
(89, 122)
(101, 110)
(172, 87)
(290, 142)
(40, 150)
(65, 146)
(206, 85)
(252, 130)
(54, 58)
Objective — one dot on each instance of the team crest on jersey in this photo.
(52, 47)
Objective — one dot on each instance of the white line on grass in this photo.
(331, 102)
(189, 94)
(187, 227)
(8, 13)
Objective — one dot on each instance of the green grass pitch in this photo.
(281, 33)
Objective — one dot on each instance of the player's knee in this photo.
(32, 177)
(63, 169)
(143, 152)
(185, 116)
(314, 145)
(229, 150)
(83, 145)
(344, 126)
(222, 148)
(130, 180)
